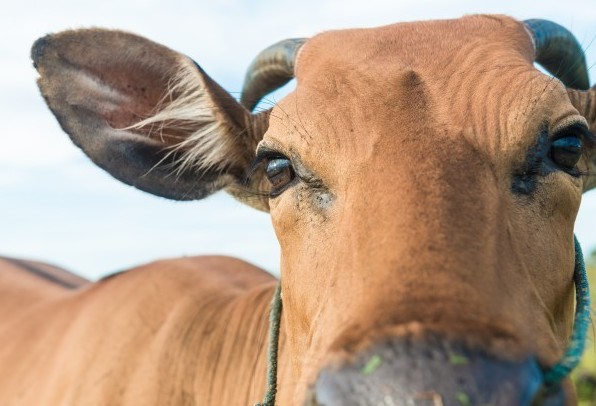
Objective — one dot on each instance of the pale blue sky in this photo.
(56, 206)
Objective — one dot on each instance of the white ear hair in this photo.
(186, 107)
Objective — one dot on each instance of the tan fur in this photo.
(151, 336)
(22, 290)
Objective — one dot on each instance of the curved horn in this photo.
(558, 51)
(270, 70)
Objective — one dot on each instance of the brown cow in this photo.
(423, 180)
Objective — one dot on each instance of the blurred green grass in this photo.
(584, 376)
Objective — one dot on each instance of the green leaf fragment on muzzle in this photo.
(372, 365)
(463, 399)
(456, 359)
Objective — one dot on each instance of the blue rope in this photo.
(572, 356)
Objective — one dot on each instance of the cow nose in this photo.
(414, 373)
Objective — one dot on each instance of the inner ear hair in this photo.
(201, 133)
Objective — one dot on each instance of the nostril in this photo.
(420, 373)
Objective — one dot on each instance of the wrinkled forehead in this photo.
(430, 47)
(473, 75)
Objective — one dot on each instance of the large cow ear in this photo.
(585, 103)
(149, 116)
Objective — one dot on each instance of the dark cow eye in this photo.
(566, 151)
(280, 173)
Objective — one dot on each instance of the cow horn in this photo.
(559, 52)
(270, 70)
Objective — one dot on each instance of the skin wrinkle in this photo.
(516, 251)
(307, 137)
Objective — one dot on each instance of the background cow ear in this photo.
(147, 115)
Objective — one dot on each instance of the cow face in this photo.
(425, 187)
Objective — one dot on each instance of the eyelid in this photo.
(263, 153)
(570, 123)
(268, 149)
(266, 152)
(578, 126)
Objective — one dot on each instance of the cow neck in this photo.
(552, 376)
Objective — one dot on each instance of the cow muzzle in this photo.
(402, 372)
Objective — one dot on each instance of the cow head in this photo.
(423, 181)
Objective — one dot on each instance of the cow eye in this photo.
(280, 173)
(566, 152)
